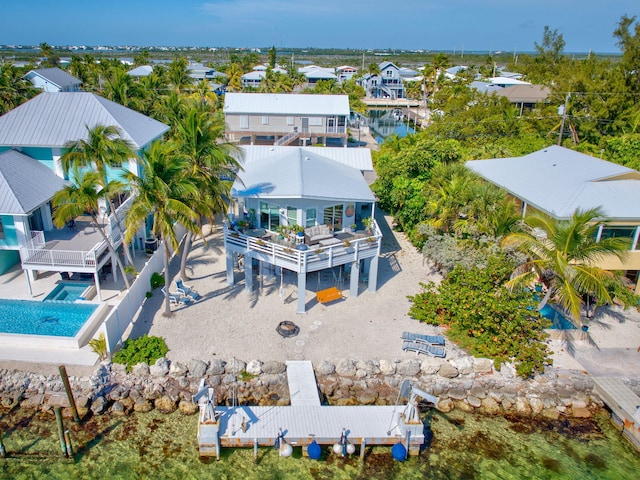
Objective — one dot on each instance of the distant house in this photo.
(320, 189)
(506, 81)
(32, 140)
(53, 80)
(557, 181)
(345, 72)
(198, 72)
(283, 119)
(314, 75)
(525, 97)
(388, 84)
(141, 71)
(254, 78)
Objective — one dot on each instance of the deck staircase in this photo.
(287, 139)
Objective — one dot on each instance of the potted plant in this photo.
(368, 224)
(353, 227)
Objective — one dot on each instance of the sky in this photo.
(484, 25)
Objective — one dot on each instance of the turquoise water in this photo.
(463, 446)
(59, 319)
(67, 292)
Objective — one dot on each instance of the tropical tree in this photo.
(234, 76)
(164, 190)
(82, 197)
(563, 254)
(51, 58)
(103, 148)
(14, 88)
(178, 74)
(212, 166)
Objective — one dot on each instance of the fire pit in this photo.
(287, 329)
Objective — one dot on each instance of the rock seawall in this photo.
(465, 383)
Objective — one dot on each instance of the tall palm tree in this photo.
(14, 88)
(234, 76)
(164, 190)
(83, 198)
(562, 254)
(178, 74)
(104, 147)
(212, 166)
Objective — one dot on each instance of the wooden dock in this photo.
(624, 405)
(306, 420)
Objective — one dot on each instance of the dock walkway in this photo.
(624, 405)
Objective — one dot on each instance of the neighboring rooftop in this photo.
(557, 180)
(286, 104)
(55, 76)
(25, 183)
(52, 119)
(359, 158)
(524, 93)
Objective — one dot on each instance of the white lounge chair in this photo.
(424, 348)
(176, 298)
(186, 290)
(418, 337)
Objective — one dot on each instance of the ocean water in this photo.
(463, 446)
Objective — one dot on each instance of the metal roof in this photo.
(525, 93)
(558, 181)
(320, 73)
(359, 158)
(141, 71)
(25, 183)
(52, 119)
(286, 104)
(56, 76)
(299, 173)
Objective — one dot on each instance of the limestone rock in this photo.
(448, 371)
(445, 405)
(580, 412)
(490, 406)
(387, 367)
(482, 365)
(550, 413)
(254, 367)
(197, 368)
(457, 393)
(187, 408)
(177, 369)
(99, 405)
(477, 391)
(216, 367)
(140, 370)
(143, 406)
(474, 401)
(463, 364)
(325, 368)
(160, 368)
(430, 366)
(272, 367)
(369, 368)
(367, 398)
(165, 404)
(235, 366)
(537, 405)
(463, 406)
(522, 406)
(408, 368)
(117, 409)
(346, 368)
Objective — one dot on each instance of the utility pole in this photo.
(564, 117)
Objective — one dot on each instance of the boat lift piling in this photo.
(67, 388)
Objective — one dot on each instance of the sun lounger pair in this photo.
(176, 298)
(424, 348)
(186, 290)
(429, 339)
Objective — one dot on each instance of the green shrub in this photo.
(157, 280)
(142, 349)
(148, 294)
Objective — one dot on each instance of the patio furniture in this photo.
(329, 295)
(186, 290)
(425, 349)
(329, 241)
(176, 298)
(429, 339)
(313, 235)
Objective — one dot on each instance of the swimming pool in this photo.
(68, 292)
(560, 322)
(28, 317)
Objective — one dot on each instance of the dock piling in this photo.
(363, 444)
(67, 388)
(63, 444)
(67, 442)
(3, 451)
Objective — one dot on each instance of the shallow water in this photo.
(463, 446)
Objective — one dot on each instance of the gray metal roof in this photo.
(25, 183)
(141, 71)
(359, 158)
(55, 76)
(558, 181)
(299, 173)
(525, 93)
(52, 119)
(285, 104)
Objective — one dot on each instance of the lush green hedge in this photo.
(485, 318)
(142, 349)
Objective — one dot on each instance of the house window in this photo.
(265, 119)
(333, 217)
(292, 216)
(244, 121)
(269, 216)
(290, 121)
(620, 232)
(310, 220)
(1, 229)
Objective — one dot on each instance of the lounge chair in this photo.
(186, 290)
(176, 298)
(418, 337)
(426, 349)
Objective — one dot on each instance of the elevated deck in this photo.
(624, 405)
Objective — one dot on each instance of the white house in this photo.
(53, 80)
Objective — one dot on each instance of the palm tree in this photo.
(234, 76)
(104, 147)
(14, 88)
(178, 74)
(562, 254)
(83, 198)
(212, 166)
(164, 190)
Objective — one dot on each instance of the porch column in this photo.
(373, 275)
(96, 278)
(248, 272)
(355, 279)
(230, 276)
(302, 290)
(114, 267)
(27, 274)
